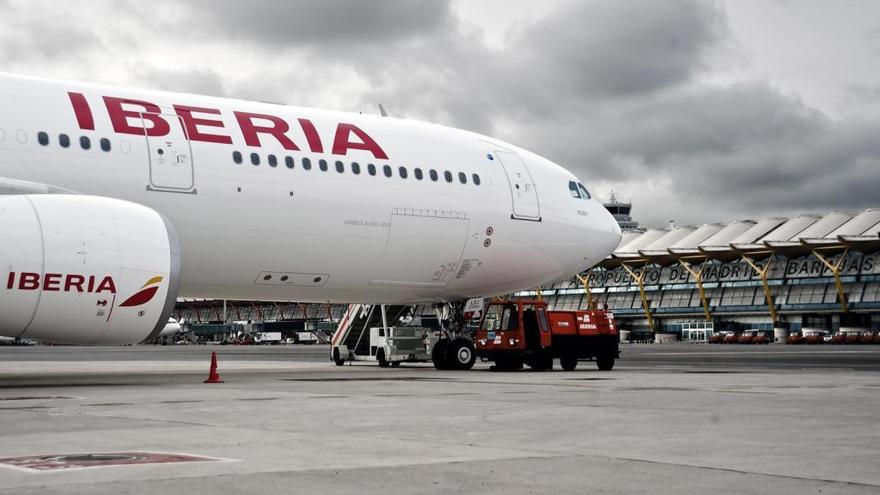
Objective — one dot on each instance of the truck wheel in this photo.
(461, 354)
(502, 364)
(605, 363)
(438, 354)
(380, 356)
(542, 362)
(568, 362)
(337, 359)
(548, 361)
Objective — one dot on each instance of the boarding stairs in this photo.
(354, 328)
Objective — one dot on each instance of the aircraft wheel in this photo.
(461, 354)
(438, 354)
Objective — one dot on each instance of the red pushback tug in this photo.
(513, 333)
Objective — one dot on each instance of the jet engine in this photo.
(85, 269)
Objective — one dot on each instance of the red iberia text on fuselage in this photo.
(141, 117)
(61, 282)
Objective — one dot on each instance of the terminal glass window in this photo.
(872, 292)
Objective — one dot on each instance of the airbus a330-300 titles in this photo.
(115, 202)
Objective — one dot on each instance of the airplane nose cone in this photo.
(603, 234)
(609, 232)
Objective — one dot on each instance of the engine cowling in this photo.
(85, 269)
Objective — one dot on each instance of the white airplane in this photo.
(114, 202)
(171, 328)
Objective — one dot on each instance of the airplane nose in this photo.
(600, 236)
(609, 231)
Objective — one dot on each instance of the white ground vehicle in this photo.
(391, 346)
(306, 338)
(270, 337)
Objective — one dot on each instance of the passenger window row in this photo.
(355, 168)
(64, 141)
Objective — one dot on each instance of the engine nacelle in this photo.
(85, 269)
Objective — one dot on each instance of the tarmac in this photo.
(680, 418)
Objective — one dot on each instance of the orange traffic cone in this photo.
(213, 376)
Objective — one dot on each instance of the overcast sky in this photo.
(697, 111)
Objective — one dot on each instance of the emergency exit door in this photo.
(171, 162)
(522, 188)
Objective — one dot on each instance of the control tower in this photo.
(621, 211)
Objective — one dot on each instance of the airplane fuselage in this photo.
(275, 202)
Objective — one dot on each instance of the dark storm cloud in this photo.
(312, 21)
(617, 48)
(586, 52)
(741, 151)
(719, 153)
(613, 90)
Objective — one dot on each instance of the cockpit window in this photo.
(573, 189)
(584, 193)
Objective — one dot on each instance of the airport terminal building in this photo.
(810, 272)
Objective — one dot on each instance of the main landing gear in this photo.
(453, 354)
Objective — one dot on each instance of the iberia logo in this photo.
(145, 294)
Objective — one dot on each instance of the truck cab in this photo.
(515, 332)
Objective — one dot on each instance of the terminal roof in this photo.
(830, 233)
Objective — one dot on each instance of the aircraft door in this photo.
(171, 162)
(522, 187)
